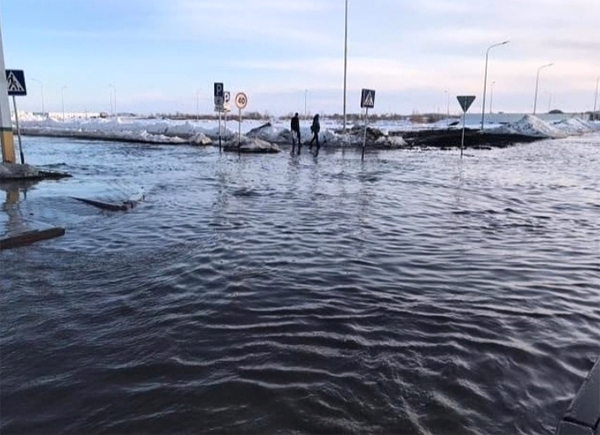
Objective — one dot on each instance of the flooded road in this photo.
(413, 293)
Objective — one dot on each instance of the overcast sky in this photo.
(165, 55)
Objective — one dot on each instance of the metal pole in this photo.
(240, 132)
(345, 62)
(596, 95)
(63, 102)
(305, 111)
(365, 134)
(220, 131)
(18, 130)
(492, 97)
(537, 82)
(462, 142)
(447, 108)
(198, 105)
(485, 80)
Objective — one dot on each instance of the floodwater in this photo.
(413, 293)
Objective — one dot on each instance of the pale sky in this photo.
(163, 56)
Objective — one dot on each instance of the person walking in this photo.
(295, 126)
(315, 128)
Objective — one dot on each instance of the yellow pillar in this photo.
(6, 132)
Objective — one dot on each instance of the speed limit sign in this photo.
(241, 100)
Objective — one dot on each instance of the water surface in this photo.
(413, 293)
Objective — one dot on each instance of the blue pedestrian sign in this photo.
(367, 99)
(15, 80)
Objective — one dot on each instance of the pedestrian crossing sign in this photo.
(367, 99)
(15, 82)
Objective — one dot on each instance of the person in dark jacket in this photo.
(315, 128)
(295, 126)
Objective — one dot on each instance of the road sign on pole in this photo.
(367, 99)
(465, 102)
(15, 80)
(241, 100)
(219, 89)
(226, 101)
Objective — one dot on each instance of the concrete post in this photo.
(6, 132)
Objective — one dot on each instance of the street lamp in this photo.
(198, 104)
(492, 97)
(115, 97)
(485, 79)
(42, 91)
(345, 61)
(305, 107)
(62, 91)
(537, 82)
(447, 107)
(596, 95)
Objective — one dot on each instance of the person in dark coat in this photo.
(295, 126)
(315, 128)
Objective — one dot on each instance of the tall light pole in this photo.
(487, 53)
(198, 104)
(537, 83)
(447, 107)
(345, 61)
(492, 97)
(305, 97)
(42, 92)
(115, 97)
(596, 95)
(62, 92)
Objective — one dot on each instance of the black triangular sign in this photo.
(465, 101)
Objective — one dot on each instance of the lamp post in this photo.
(487, 53)
(596, 95)
(42, 91)
(345, 61)
(115, 97)
(491, 97)
(62, 91)
(447, 107)
(198, 104)
(305, 107)
(537, 83)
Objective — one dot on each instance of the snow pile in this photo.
(126, 129)
(532, 126)
(269, 133)
(576, 126)
(165, 131)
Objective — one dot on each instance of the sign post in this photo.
(15, 80)
(219, 100)
(465, 102)
(226, 105)
(241, 101)
(367, 101)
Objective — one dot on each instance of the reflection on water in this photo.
(11, 216)
(413, 293)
